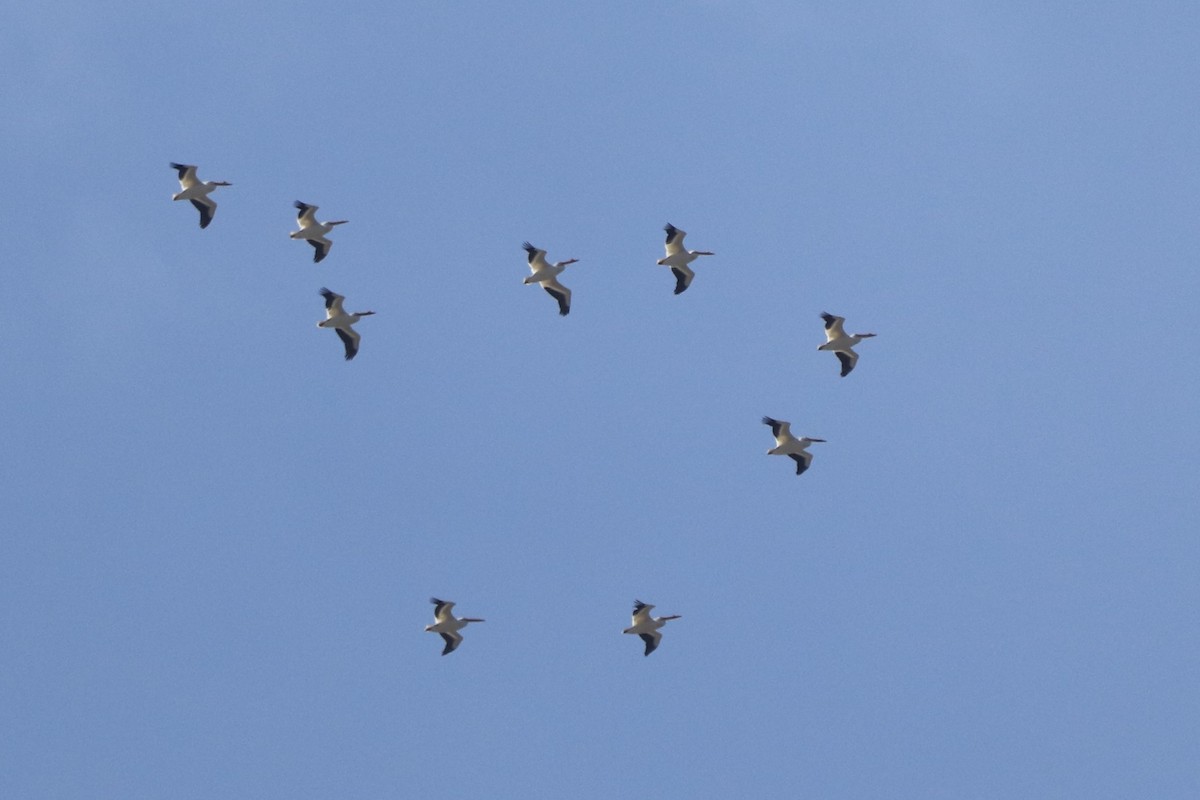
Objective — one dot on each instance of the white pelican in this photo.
(678, 258)
(547, 275)
(337, 318)
(314, 231)
(447, 624)
(647, 626)
(841, 344)
(196, 190)
(788, 445)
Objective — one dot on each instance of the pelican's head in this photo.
(220, 183)
(822, 441)
(338, 222)
(365, 313)
(673, 616)
(428, 628)
(471, 619)
(662, 262)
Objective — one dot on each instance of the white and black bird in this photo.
(678, 259)
(547, 275)
(647, 626)
(196, 190)
(448, 625)
(840, 343)
(312, 231)
(337, 318)
(788, 445)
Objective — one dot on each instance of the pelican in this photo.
(314, 231)
(447, 624)
(337, 318)
(547, 275)
(678, 259)
(788, 445)
(647, 626)
(196, 190)
(841, 344)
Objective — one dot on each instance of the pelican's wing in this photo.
(441, 609)
(641, 612)
(833, 326)
(320, 248)
(307, 216)
(848, 358)
(803, 460)
(683, 278)
(206, 208)
(782, 430)
(187, 175)
(651, 640)
(350, 338)
(537, 258)
(674, 239)
(453, 640)
(560, 293)
(333, 304)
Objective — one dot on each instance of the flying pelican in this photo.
(447, 624)
(197, 191)
(841, 344)
(547, 275)
(314, 231)
(337, 318)
(678, 258)
(647, 626)
(788, 445)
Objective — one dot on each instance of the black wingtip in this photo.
(682, 282)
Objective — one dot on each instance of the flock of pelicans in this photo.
(546, 275)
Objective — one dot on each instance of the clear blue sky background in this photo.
(219, 537)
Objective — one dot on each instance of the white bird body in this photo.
(678, 258)
(788, 445)
(313, 231)
(197, 191)
(841, 343)
(337, 318)
(647, 626)
(448, 625)
(546, 274)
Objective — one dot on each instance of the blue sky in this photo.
(220, 537)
